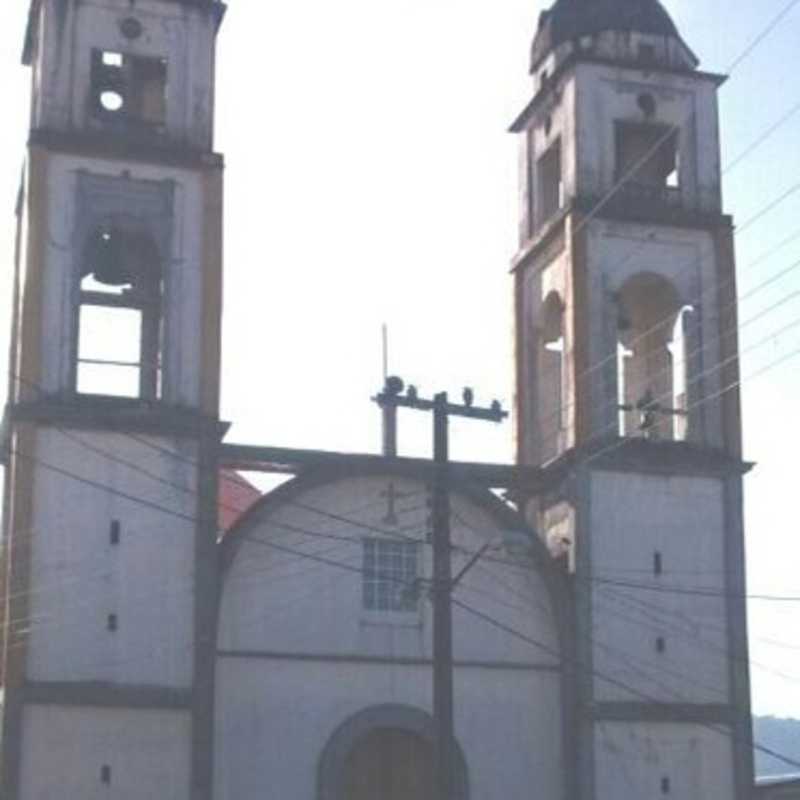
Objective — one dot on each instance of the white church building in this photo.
(147, 654)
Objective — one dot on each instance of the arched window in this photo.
(119, 338)
(652, 359)
(550, 405)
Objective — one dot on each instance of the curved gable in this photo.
(304, 645)
(305, 540)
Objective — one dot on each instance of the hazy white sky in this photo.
(370, 179)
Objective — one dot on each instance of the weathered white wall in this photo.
(184, 275)
(632, 517)
(275, 715)
(631, 761)
(274, 719)
(177, 32)
(78, 578)
(64, 750)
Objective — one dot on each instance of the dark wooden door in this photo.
(390, 764)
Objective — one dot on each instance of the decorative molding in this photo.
(568, 65)
(96, 412)
(696, 713)
(355, 658)
(125, 149)
(105, 695)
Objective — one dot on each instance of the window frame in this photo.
(553, 152)
(122, 80)
(373, 577)
(633, 182)
(145, 300)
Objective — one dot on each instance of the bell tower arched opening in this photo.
(550, 394)
(119, 330)
(652, 376)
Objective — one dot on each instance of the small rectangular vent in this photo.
(658, 564)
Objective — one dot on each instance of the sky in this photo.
(370, 179)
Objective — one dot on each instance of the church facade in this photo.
(161, 642)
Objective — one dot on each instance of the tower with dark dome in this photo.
(627, 368)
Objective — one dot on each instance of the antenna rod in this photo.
(385, 338)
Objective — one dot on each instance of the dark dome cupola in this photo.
(619, 30)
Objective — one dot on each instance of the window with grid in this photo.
(390, 572)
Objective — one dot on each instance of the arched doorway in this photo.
(385, 753)
(390, 764)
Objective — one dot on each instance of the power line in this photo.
(771, 26)
(610, 679)
(508, 629)
(761, 139)
(710, 291)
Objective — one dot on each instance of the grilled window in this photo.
(390, 574)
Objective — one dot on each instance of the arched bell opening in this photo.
(550, 394)
(120, 330)
(652, 359)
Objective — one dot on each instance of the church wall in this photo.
(298, 654)
(633, 760)
(65, 750)
(681, 518)
(79, 577)
(274, 718)
(308, 606)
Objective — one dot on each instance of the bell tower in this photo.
(627, 396)
(112, 418)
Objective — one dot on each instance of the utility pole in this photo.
(442, 604)
(390, 399)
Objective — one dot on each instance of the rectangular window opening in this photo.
(666, 786)
(105, 774)
(550, 186)
(112, 623)
(114, 533)
(390, 575)
(647, 157)
(129, 89)
(109, 351)
(111, 59)
(661, 644)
